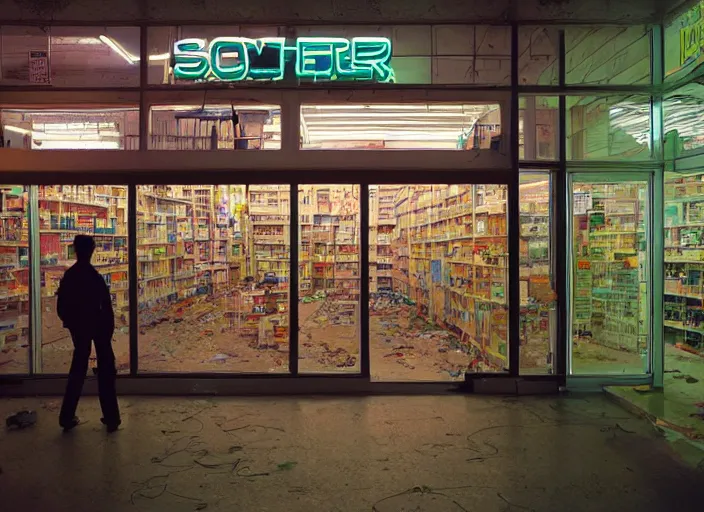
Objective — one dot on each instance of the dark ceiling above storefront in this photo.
(336, 11)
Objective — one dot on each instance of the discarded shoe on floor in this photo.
(22, 419)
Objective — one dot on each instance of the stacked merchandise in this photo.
(684, 263)
(537, 297)
(14, 280)
(610, 271)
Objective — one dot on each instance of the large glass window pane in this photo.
(401, 126)
(116, 128)
(69, 56)
(684, 120)
(537, 55)
(610, 284)
(329, 278)
(538, 300)
(14, 282)
(607, 55)
(438, 290)
(213, 126)
(64, 212)
(417, 54)
(608, 128)
(213, 278)
(684, 282)
(538, 136)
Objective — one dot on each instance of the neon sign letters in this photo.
(234, 59)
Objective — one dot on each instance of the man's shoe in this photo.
(111, 426)
(67, 426)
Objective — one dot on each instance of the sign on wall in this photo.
(235, 59)
(38, 67)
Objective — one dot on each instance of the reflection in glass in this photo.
(199, 127)
(401, 126)
(607, 55)
(538, 300)
(329, 278)
(608, 128)
(438, 291)
(610, 278)
(14, 282)
(64, 212)
(213, 278)
(538, 136)
(538, 50)
(683, 112)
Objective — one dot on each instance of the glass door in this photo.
(609, 264)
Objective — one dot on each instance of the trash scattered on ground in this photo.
(285, 466)
(22, 419)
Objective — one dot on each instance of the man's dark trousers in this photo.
(79, 367)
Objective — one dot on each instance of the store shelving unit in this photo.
(14, 267)
(537, 297)
(458, 263)
(610, 284)
(98, 211)
(684, 262)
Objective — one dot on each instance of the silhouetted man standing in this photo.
(85, 308)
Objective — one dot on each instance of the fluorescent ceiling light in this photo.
(131, 59)
(117, 48)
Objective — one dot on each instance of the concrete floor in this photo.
(384, 454)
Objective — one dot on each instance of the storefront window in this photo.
(413, 54)
(14, 285)
(116, 128)
(610, 283)
(329, 278)
(538, 128)
(401, 126)
(213, 263)
(64, 212)
(538, 299)
(684, 120)
(684, 280)
(69, 56)
(438, 269)
(608, 128)
(607, 55)
(199, 127)
(538, 55)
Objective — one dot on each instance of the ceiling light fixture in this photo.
(131, 59)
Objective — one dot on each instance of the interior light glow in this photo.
(131, 59)
(16, 129)
(395, 114)
(117, 48)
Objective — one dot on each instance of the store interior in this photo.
(214, 260)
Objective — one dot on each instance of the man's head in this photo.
(84, 246)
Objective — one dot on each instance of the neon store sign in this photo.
(235, 59)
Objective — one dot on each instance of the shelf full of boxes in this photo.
(684, 262)
(14, 273)
(99, 211)
(536, 289)
(458, 259)
(610, 266)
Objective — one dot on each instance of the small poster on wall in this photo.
(38, 67)
(582, 202)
